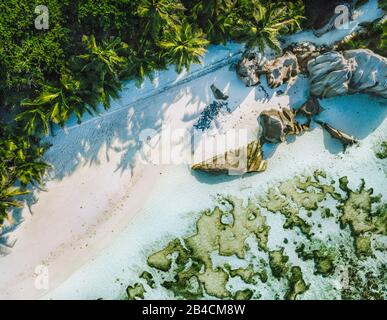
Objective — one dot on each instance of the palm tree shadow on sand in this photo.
(116, 132)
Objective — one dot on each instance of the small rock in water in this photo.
(310, 108)
(219, 95)
(209, 114)
(344, 138)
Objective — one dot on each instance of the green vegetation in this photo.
(373, 37)
(278, 263)
(364, 215)
(91, 47)
(297, 285)
(324, 257)
(19, 166)
(294, 195)
(382, 152)
(135, 292)
(340, 264)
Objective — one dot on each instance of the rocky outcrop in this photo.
(353, 71)
(344, 138)
(239, 161)
(278, 124)
(250, 68)
(281, 70)
(305, 51)
(369, 72)
(332, 73)
(329, 75)
(278, 71)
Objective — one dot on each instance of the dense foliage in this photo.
(19, 166)
(373, 37)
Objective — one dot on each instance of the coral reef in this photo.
(343, 262)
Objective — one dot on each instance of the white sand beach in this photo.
(101, 206)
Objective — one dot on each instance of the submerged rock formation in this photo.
(277, 124)
(353, 71)
(239, 161)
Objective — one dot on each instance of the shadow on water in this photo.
(358, 115)
(213, 179)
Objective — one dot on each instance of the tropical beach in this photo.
(144, 201)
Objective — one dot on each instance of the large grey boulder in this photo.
(369, 72)
(329, 75)
(353, 71)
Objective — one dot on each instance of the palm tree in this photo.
(159, 13)
(183, 46)
(216, 17)
(104, 58)
(372, 36)
(266, 22)
(101, 68)
(54, 104)
(143, 64)
(19, 158)
(7, 200)
(19, 164)
(36, 119)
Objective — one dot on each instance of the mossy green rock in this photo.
(135, 292)
(278, 263)
(296, 284)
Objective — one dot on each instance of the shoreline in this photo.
(69, 249)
